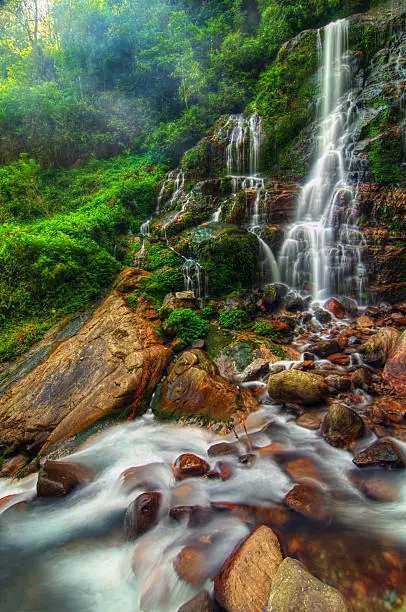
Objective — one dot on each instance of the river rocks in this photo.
(195, 515)
(296, 386)
(339, 359)
(323, 316)
(191, 564)
(335, 307)
(201, 603)
(307, 499)
(384, 453)
(245, 579)
(142, 514)
(222, 448)
(113, 363)
(324, 348)
(361, 378)
(58, 478)
(294, 302)
(256, 370)
(377, 348)
(395, 369)
(148, 477)
(365, 322)
(11, 467)
(342, 426)
(294, 589)
(195, 388)
(189, 465)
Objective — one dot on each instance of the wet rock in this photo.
(199, 344)
(364, 322)
(293, 302)
(302, 469)
(195, 388)
(387, 410)
(339, 359)
(350, 305)
(335, 307)
(247, 460)
(361, 378)
(148, 477)
(310, 420)
(245, 579)
(296, 386)
(294, 589)
(305, 366)
(323, 316)
(11, 467)
(225, 469)
(191, 564)
(189, 465)
(307, 499)
(342, 426)
(255, 371)
(58, 478)
(177, 345)
(202, 602)
(180, 299)
(377, 489)
(384, 453)
(222, 448)
(324, 348)
(394, 373)
(114, 362)
(376, 350)
(142, 514)
(196, 515)
(339, 383)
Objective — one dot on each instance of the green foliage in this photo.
(208, 312)
(234, 319)
(188, 324)
(267, 330)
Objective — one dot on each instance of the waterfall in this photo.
(245, 137)
(195, 278)
(323, 251)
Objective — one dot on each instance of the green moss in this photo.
(234, 319)
(267, 330)
(188, 324)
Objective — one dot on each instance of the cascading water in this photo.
(324, 249)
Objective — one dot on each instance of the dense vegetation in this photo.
(97, 99)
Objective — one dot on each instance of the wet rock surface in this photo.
(296, 386)
(142, 514)
(395, 369)
(189, 466)
(384, 453)
(342, 426)
(58, 478)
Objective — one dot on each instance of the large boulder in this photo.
(297, 387)
(142, 514)
(384, 453)
(342, 426)
(294, 589)
(246, 577)
(325, 348)
(114, 362)
(377, 349)
(195, 388)
(395, 369)
(58, 478)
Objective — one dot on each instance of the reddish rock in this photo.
(395, 369)
(303, 468)
(191, 564)
(11, 467)
(244, 581)
(308, 499)
(5, 500)
(311, 420)
(270, 449)
(58, 478)
(203, 602)
(147, 477)
(324, 348)
(335, 307)
(225, 469)
(361, 378)
(196, 515)
(389, 410)
(142, 514)
(256, 515)
(364, 322)
(222, 448)
(189, 465)
(342, 341)
(378, 490)
(305, 366)
(377, 349)
(384, 453)
(194, 387)
(340, 359)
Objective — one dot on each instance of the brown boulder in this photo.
(395, 369)
(245, 580)
(58, 478)
(222, 448)
(195, 388)
(342, 426)
(11, 467)
(148, 477)
(296, 386)
(195, 515)
(142, 514)
(294, 589)
(191, 564)
(114, 362)
(324, 348)
(384, 453)
(308, 499)
(377, 349)
(339, 359)
(189, 465)
(335, 307)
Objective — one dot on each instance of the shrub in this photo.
(188, 324)
(234, 319)
(267, 330)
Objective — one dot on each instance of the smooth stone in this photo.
(142, 514)
(188, 465)
(202, 602)
(384, 453)
(296, 386)
(342, 426)
(58, 478)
